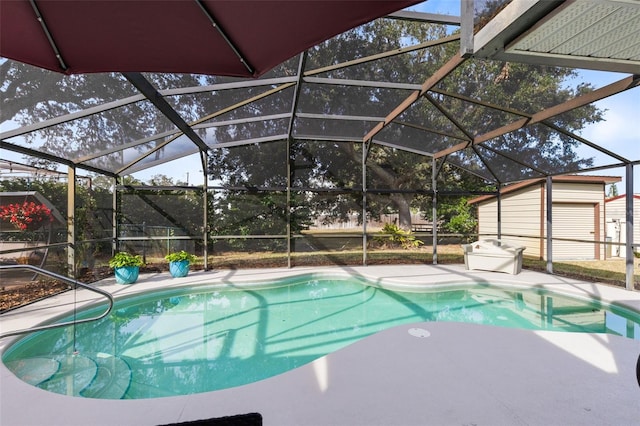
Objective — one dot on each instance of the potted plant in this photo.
(126, 267)
(179, 263)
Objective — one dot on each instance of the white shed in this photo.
(616, 219)
(578, 213)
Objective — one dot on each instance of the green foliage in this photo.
(179, 256)
(123, 258)
(461, 219)
(393, 235)
(252, 212)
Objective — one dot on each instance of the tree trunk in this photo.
(403, 202)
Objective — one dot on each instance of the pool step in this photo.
(34, 370)
(112, 378)
(76, 372)
(96, 375)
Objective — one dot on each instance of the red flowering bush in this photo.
(27, 215)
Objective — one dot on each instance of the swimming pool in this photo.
(206, 338)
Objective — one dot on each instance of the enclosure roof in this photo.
(400, 83)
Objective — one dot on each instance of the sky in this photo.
(619, 132)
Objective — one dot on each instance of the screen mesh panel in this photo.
(323, 164)
(233, 104)
(333, 126)
(243, 213)
(261, 165)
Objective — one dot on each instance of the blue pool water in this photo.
(206, 338)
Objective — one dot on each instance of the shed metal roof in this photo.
(590, 34)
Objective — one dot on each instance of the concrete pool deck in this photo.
(458, 374)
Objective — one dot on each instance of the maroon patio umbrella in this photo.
(233, 38)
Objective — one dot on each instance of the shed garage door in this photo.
(575, 221)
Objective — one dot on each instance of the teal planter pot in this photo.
(179, 268)
(127, 274)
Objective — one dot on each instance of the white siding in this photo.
(521, 212)
(520, 219)
(488, 219)
(615, 212)
(578, 192)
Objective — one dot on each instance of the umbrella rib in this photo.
(225, 37)
(45, 28)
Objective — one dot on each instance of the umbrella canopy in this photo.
(231, 38)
